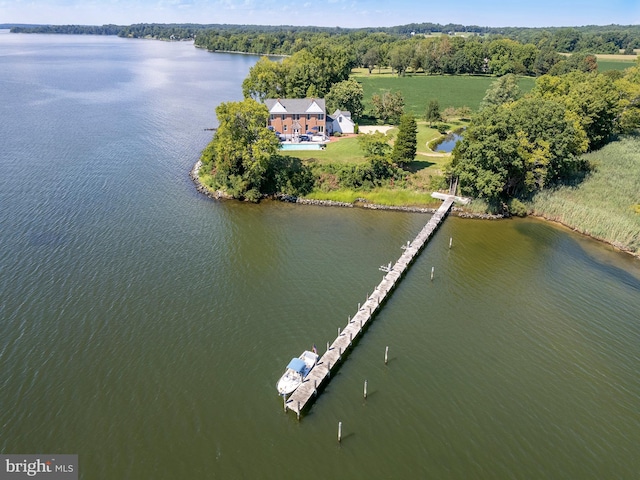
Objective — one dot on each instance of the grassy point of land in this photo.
(346, 150)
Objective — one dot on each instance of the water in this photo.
(301, 146)
(448, 143)
(144, 326)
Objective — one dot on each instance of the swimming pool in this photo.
(301, 146)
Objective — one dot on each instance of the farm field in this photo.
(615, 63)
(449, 90)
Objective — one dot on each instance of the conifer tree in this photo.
(405, 146)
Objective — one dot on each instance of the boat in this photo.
(296, 372)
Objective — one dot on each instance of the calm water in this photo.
(143, 326)
(448, 143)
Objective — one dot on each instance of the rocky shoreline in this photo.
(359, 203)
(362, 203)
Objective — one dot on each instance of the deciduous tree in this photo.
(517, 148)
(432, 112)
(241, 149)
(346, 95)
(388, 107)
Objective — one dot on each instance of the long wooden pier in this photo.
(321, 373)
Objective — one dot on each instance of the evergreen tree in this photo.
(404, 148)
(504, 89)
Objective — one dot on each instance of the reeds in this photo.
(604, 204)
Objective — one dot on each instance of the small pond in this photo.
(448, 142)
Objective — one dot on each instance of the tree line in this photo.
(517, 145)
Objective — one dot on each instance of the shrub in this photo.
(253, 195)
(438, 182)
(517, 208)
(442, 127)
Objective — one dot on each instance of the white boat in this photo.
(296, 372)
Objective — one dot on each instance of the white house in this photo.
(340, 122)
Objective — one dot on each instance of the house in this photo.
(292, 117)
(340, 122)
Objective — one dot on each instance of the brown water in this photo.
(143, 326)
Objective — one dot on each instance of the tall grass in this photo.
(604, 204)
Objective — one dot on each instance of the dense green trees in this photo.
(629, 105)
(592, 98)
(516, 148)
(346, 95)
(242, 158)
(307, 73)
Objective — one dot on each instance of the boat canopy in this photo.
(297, 365)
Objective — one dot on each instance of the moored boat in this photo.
(296, 372)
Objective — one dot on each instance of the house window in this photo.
(308, 116)
(320, 129)
(283, 117)
(321, 116)
(339, 119)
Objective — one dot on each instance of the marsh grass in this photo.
(604, 204)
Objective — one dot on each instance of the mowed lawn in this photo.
(418, 90)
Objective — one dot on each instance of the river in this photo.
(144, 326)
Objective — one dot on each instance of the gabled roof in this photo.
(337, 113)
(300, 106)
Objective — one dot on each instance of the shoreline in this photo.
(455, 211)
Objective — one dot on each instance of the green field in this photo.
(604, 65)
(606, 205)
(450, 91)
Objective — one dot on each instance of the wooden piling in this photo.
(322, 371)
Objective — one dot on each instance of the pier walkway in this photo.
(304, 394)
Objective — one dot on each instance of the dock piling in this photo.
(308, 390)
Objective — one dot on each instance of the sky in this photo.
(327, 13)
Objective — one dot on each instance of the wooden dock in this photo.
(321, 373)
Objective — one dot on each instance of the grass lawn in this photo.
(344, 150)
(417, 90)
